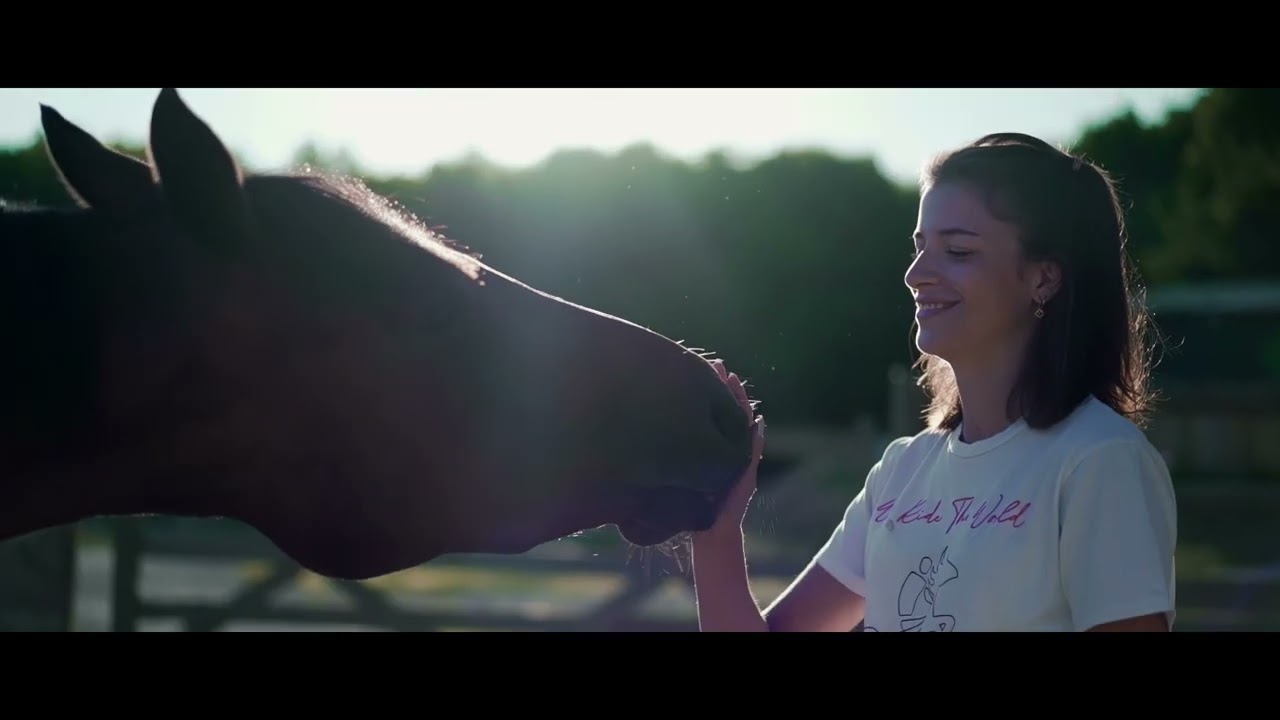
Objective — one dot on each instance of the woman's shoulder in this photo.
(1096, 427)
(1097, 446)
(922, 443)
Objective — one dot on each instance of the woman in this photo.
(1032, 501)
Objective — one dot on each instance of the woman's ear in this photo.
(1045, 280)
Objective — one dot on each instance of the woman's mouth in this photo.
(929, 309)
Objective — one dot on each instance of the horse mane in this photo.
(322, 198)
(324, 194)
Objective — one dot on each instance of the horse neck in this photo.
(54, 290)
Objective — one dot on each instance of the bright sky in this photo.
(408, 131)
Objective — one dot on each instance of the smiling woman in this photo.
(1033, 500)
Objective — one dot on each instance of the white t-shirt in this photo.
(1055, 530)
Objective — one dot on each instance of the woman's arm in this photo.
(814, 602)
(722, 591)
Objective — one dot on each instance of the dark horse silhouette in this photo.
(294, 352)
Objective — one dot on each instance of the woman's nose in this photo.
(918, 272)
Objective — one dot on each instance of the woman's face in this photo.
(975, 298)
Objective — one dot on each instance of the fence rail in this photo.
(635, 581)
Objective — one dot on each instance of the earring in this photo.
(1040, 309)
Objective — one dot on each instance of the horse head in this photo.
(296, 352)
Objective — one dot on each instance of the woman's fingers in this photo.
(735, 384)
(718, 364)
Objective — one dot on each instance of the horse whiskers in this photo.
(678, 548)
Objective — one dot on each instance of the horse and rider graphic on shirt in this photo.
(918, 596)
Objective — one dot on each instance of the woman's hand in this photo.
(730, 521)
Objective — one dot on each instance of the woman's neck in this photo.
(984, 397)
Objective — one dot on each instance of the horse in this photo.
(296, 352)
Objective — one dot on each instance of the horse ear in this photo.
(94, 174)
(198, 176)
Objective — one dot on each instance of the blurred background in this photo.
(771, 226)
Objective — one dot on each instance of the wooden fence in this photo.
(1220, 429)
(366, 604)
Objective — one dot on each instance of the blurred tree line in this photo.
(791, 268)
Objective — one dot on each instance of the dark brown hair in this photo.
(1092, 337)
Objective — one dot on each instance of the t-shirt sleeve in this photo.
(1118, 533)
(844, 553)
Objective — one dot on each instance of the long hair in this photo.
(1093, 336)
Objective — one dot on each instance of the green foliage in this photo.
(1204, 185)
